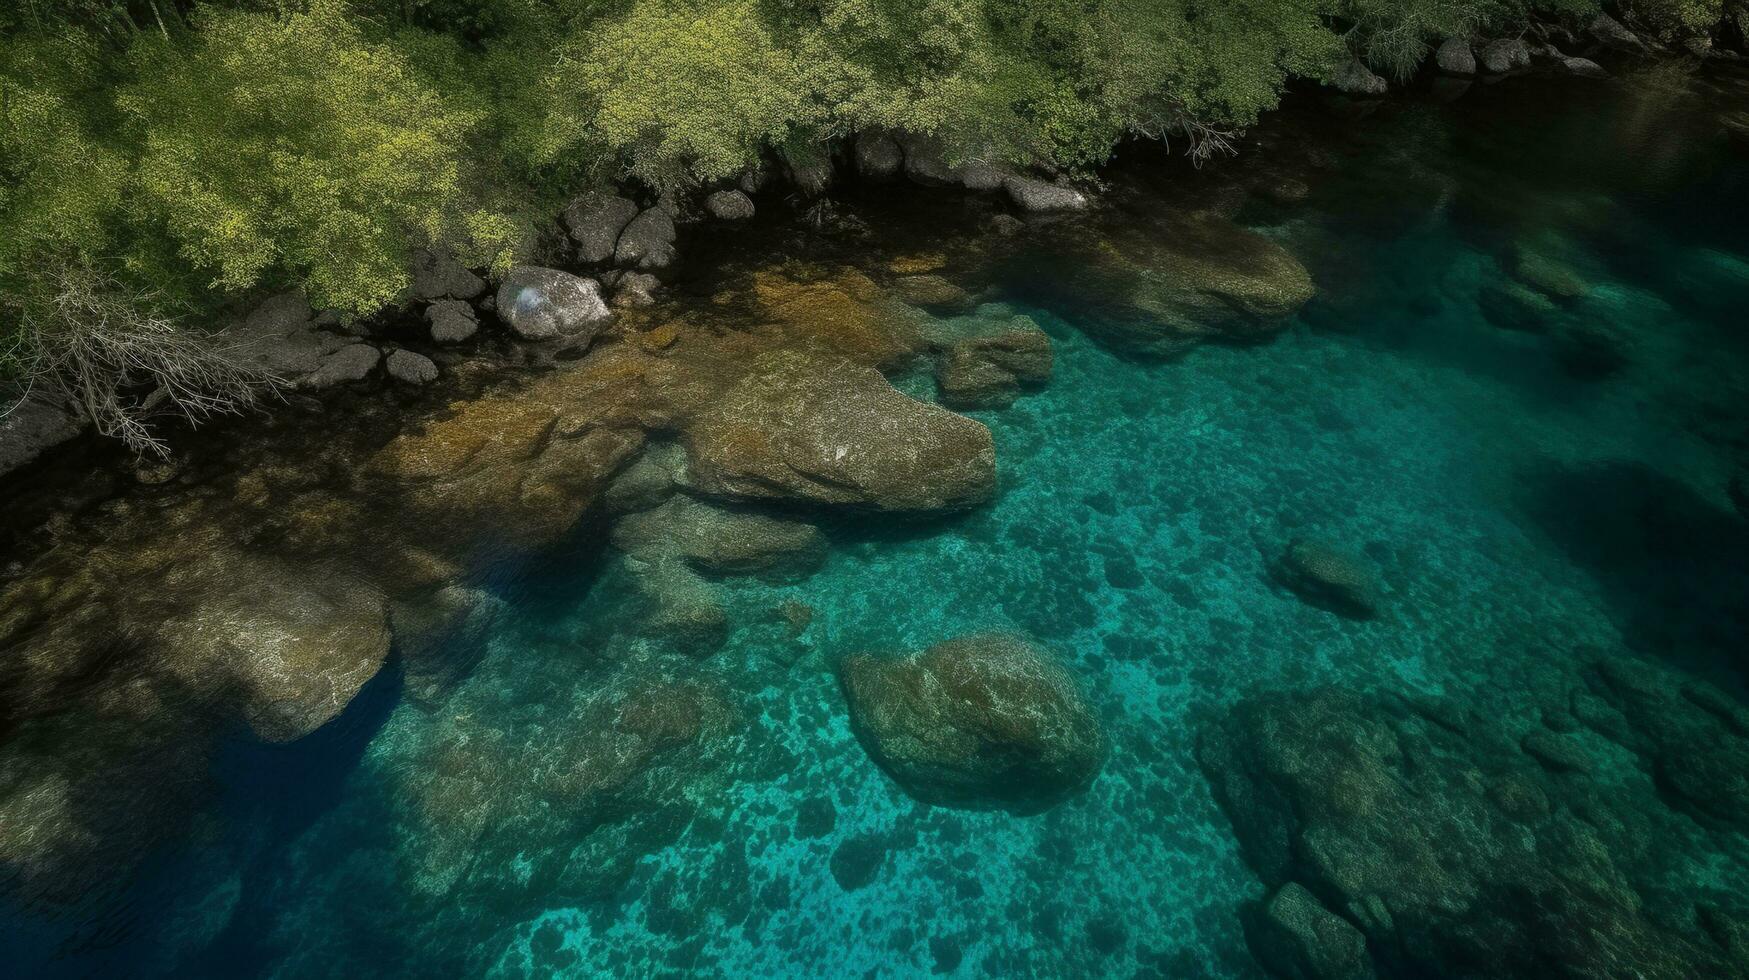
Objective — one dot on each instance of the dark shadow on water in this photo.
(1674, 567)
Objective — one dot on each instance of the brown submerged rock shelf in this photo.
(261, 583)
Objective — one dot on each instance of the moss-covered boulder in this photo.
(835, 432)
(984, 721)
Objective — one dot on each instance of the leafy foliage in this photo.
(187, 154)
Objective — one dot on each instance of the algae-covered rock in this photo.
(1189, 281)
(991, 370)
(1328, 577)
(986, 721)
(835, 432)
(1390, 820)
(721, 541)
(1298, 938)
(1515, 306)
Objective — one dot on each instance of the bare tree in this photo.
(94, 346)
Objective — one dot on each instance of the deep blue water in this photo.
(1521, 495)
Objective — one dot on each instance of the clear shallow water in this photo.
(1518, 508)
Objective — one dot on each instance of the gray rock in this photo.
(753, 181)
(812, 175)
(1611, 32)
(438, 275)
(926, 163)
(647, 483)
(1356, 78)
(729, 206)
(416, 369)
(635, 289)
(540, 303)
(31, 426)
(1454, 57)
(1037, 195)
(281, 338)
(648, 241)
(1505, 55)
(452, 321)
(596, 220)
(1582, 66)
(354, 362)
(878, 156)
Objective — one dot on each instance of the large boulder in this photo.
(926, 162)
(292, 646)
(1195, 280)
(985, 721)
(411, 367)
(596, 220)
(825, 431)
(648, 241)
(31, 426)
(540, 304)
(281, 337)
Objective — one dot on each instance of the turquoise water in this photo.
(1525, 499)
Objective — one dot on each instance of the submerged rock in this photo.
(1191, 281)
(1296, 936)
(540, 304)
(682, 608)
(1515, 306)
(933, 293)
(991, 371)
(1328, 577)
(712, 539)
(987, 721)
(1388, 820)
(835, 432)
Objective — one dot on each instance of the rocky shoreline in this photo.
(718, 434)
